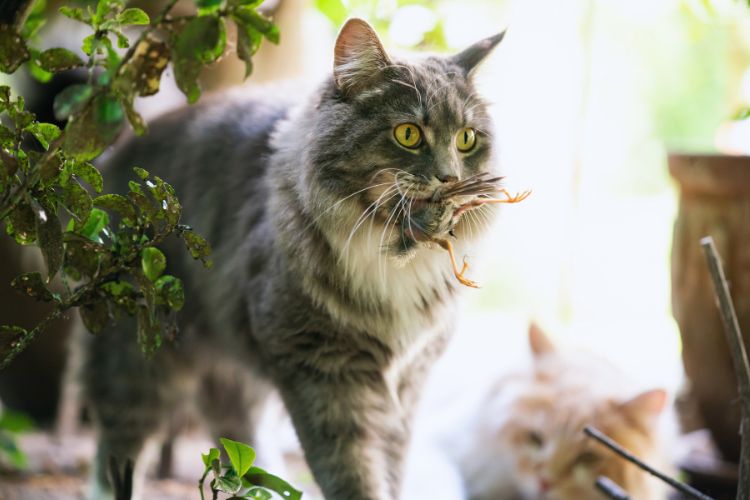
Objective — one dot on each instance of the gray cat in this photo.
(327, 282)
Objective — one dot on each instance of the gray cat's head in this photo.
(396, 136)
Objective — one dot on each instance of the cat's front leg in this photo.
(349, 425)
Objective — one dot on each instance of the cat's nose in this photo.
(446, 177)
(544, 484)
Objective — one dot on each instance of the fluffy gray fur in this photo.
(320, 285)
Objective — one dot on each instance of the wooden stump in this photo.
(714, 201)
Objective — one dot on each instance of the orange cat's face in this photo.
(540, 429)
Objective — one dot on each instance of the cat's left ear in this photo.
(358, 56)
(539, 341)
(650, 403)
(469, 58)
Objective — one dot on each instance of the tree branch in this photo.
(595, 433)
(739, 357)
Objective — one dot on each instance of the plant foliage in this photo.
(239, 478)
(104, 246)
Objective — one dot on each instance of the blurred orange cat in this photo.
(527, 440)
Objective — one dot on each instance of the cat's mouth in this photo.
(436, 214)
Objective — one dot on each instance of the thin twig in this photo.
(739, 357)
(611, 489)
(595, 433)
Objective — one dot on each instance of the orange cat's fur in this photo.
(528, 441)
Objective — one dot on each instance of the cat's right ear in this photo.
(358, 56)
(650, 403)
(539, 341)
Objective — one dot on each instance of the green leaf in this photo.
(122, 40)
(9, 448)
(95, 315)
(153, 263)
(77, 201)
(58, 59)
(49, 237)
(228, 483)
(258, 493)
(35, 20)
(139, 200)
(240, 455)
(208, 6)
(32, 285)
(44, 133)
(117, 203)
(75, 13)
(106, 7)
(98, 220)
(15, 422)
(50, 171)
(142, 173)
(13, 50)
(171, 291)
(208, 458)
(21, 224)
(90, 174)
(90, 43)
(84, 258)
(250, 18)
(200, 42)
(198, 246)
(247, 3)
(248, 43)
(95, 128)
(259, 477)
(133, 16)
(35, 70)
(142, 74)
(118, 288)
(71, 100)
(134, 118)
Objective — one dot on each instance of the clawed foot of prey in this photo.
(448, 246)
(517, 198)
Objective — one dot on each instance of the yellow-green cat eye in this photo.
(466, 138)
(408, 135)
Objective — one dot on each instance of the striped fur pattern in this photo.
(315, 288)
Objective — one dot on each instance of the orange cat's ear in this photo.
(649, 403)
(539, 342)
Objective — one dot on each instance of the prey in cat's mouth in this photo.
(430, 216)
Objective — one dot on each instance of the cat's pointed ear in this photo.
(358, 56)
(539, 341)
(649, 403)
(469, 58)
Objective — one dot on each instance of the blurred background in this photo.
(589, 97)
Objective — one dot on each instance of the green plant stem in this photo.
(201, 481)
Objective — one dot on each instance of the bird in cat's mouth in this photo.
(429, 216)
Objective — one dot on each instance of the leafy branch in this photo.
(104, 247)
